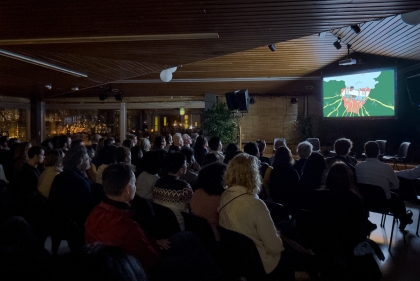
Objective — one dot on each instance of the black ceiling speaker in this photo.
(230, 101)
(242, 100)
(337, 44)
(356, 28)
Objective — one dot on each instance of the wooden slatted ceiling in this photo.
(242, 26)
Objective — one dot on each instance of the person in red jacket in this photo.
(110, 222)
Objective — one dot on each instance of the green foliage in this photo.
(303, 128)
(218, 121)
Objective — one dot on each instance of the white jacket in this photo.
(249, 215)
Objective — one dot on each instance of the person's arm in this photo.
(394, 183)
(409, 173)
(267, 231)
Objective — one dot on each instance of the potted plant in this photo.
(219, 121)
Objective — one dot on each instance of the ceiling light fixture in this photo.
(48, 86)
(118, 96)
(356, 28)
(337, 44)
(99, 39)
(40, 63)
(166, 74)
(272, 47)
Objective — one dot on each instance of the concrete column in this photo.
(35, 119)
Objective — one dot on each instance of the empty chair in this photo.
(402, 155)
(315, 144)
(382, 148)
(241, 256)
(164, 223)
(375, 201)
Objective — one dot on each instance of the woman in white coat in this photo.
(242, 211)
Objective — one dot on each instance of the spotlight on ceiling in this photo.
(356, 28)
(103, 91)
(48, 86)
(118, 96)
(272, 47)
(252, 101)
(293, 100)
(337, 44)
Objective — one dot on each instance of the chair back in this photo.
(278, 212)
(315, 143)
(403, 150)
(382, 146)
(374, 198)
(274, 143)
(201, 228)
(241, 255)
(165, 223)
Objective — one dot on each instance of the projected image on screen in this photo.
(369, 94)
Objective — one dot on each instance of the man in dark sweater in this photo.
(29, 174)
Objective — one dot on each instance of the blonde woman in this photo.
(53, 166)
(242, 211)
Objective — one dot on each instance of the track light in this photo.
(103, 96)
(118, 96)
(293, 100)
(337, 44)
(356, 28)
(272, 47)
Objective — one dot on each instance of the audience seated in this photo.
(27, 181)
(95, 141)
(159, 143)
(154, 163)
(172, 192)
(410, 174)
(231, 151)
(210, 158)
(128, 143)
(64, 143)
(177, 143)
(200, 149)
(284, 180)
(313, 173)
(261, 147)
(179, 257)
(168, 139)
(186, 139)
(277, 145)
(304, 150)
(216, 147)
(242, 211)
(91, 172)
(122, 154)
(106, 156)
(193, 168)
(265, 170)
(145, 145)
(20, 157)
(53, 166)
(71, 193)
(206, 198)
(374, 172)
(342, 149)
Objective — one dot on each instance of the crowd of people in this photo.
(96, 187)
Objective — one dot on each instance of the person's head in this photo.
(36, 153)
(200, 142)
(283, 158)
(186, 139)
(176, 163)
(252, 149)
(340, 177)
(77, 142)
(47, 144)
(159, 142)
(304, 149)
(261, 146)
(96, 138)
(132, 137)
(77, 158)
(97, 262)
(3, 141)
(209, 158)
(122, 155)
(371, 149)
(64, 142)
(154, 162)
(279, 143)
(106, 154)
(210, 178)
(215, 143)
(109, 141)
(342, 146)
(54, 158)
(189, 155)
(177, 140)
(168, 138)
(90, 151)
(128, 143)
(118, 180)
(145, 144)
(243, 170)
(21, 150)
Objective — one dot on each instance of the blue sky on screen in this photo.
(360, 80)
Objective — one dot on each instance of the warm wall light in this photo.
(15, 56)
(181, 111)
